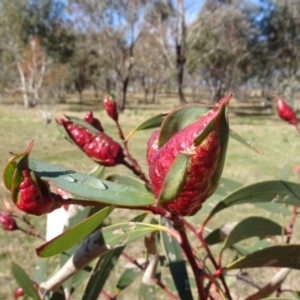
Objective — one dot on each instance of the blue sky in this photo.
(193, 8)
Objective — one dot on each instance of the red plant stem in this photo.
(291, 225)
(32, 233)
(103, 292)
(135, 167)
(137, 172)
(186, 247)
(209, 254)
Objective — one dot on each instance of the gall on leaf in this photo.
(110, 107)
(286, 113)
(186, 170)
(95, 144)
(29, 193)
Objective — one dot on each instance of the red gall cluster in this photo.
(111, 107)
(7, 222)
(29, 192)
(89, 118)
(286, 113)
(98, 146)
(206, 161)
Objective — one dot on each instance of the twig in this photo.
(272, 286)
(185, 245)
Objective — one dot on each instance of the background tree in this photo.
(219, 45)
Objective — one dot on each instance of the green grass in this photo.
(278, 141)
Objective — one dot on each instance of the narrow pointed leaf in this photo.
(114, 236)
(179, 119)
(153, 122)
(250, 227)
(90, 187)
(73, 235)
(103, 268)
(277, 191)
(286, 172)
(41, 270)
(98, 172)
(100, 274)
(24, 281)
(277, 208)
(175, 179)
(127, 278)
(177, 265)
(283, 256)
(244, 142)
(128, 181)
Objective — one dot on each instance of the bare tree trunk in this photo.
(180, 49)
(123, 94)
(23, 86)
(154, 91)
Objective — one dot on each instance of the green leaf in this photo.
(153, 122)
(98, 172)
(8, 172)
(90, 187)
(41, 271)
(24, 281)
(103, 268)
(175, 179)
(282, 256)
(173, 253)
(179, 119)
(215, 237)
(250, 227)
(286, 172)
(128, 181)
(74, 235)
(277, 208)
(127, 278)
(244, 142)
(113, 236)
(277, 191)
(100, 273)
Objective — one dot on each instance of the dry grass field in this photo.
(279, 143)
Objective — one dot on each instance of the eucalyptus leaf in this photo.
(234, 135)
(281, 256)
(127, 278)
(128, 181)
(114, 236)
(275, 191)
(178, 119)
(73, 235)
(174, 256)
(250, 227)
(24, 281)
(150, 123)
(90, 187)
(175, 179)
(103, 268)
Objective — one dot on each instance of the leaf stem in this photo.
(135, 167)
(179, 226)
(209, 254)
